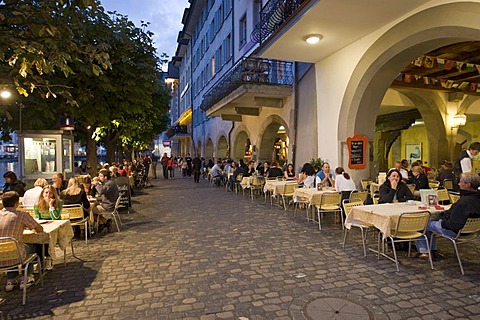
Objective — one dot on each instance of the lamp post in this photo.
(456, 121)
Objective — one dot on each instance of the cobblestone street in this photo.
(190, 251)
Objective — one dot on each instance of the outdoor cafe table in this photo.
(275, 186)
(54, 231)
(310, 194)
(385, 216)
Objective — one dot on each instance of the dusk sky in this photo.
(165, 17)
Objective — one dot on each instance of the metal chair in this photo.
(454, 196)
(468, 233)
(236, 183)
(287, 192)
(256, 184)
(114, 214)
(364, 227)
(366, 184)
(329, 202)
(433, 184)
(75, 213)
(411, 187)
(448, 184)
(10, 251)
(442, 195)
(410, 226)
(362, 195)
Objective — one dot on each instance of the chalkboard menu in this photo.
(124, 193)
(357, 148)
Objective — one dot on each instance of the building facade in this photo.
(404, 75)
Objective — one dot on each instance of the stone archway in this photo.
(242, 142)
(209, 151)
(274, 141)
(222, 147)
(423, 32)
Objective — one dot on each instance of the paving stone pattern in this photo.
(190, 251)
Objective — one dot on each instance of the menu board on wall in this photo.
(357, 150)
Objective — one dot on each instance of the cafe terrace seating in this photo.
(114, 214)
(468, 233)
(454, 196)
(10, 250)
(363, 226)
(286, 192)
(448, 184)
(362, 195)
(74, 213)
(329, 202)
(409, 227)
(443, 196)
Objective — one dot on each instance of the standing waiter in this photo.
(463, 163)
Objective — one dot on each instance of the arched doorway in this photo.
(209, 151)
(435, 28)
(222, 148)
(274, 144)
(243, 148)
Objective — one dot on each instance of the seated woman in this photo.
(48, 207)
(74, 194)
(419, 179)
(446, 172)
(394, 189)
(88, 188)
(289, 174)
(307, 176)
(343, 183)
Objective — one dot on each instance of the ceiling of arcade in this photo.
(451, 69)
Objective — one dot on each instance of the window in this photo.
(243, 30)
(257, 7)
(227, 49)
(212, 64)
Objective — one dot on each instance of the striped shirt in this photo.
(12, 224)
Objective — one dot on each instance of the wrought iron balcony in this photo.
(273, 15)
(177, 130)
(249, 71)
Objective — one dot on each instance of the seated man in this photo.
(217, 173)
(58, 183)
(275, 171)
(453, 219)
(12, 224)
(108, 191)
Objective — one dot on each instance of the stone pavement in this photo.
(190, 251)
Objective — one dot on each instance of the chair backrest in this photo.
(256, 182)
(349, 204)
(10, 250)
(412, 222)
(239, 177)
(289, 188)
(454, 197)
(280, 178)
(471, 226)
(433, 184)
(411, 187)
(331, 198)
(72, 212)
(28, 209)
(375, 198)
(365, 184)
(362, 195)
(442, 194)
(448, 184)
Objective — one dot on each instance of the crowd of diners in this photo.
(97, 194)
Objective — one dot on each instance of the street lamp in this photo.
(5, 94)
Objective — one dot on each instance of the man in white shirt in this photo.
(398, 165)
(217, 173)
(463, 163)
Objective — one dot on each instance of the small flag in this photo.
(418, 61)
(449, 84)
(473, 86)
(408, 78)
(426, 80)
(463, 85)
(443, 82)
(460, 65)
(399, 77)
(441, 63)
(449, 65)
(470, 67)
(429, 62)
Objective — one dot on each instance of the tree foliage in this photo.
(73, 58)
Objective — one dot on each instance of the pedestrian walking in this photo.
(197, 167)
(164, 162)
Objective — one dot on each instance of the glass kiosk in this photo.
(43, 153)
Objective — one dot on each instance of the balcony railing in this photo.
(177, 129)
(273, 15)
(249, 71)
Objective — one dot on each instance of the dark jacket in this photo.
(387, 194)
(468, 206)
(275, 172)
(457, 167)
(420, 182)
(17, 186)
